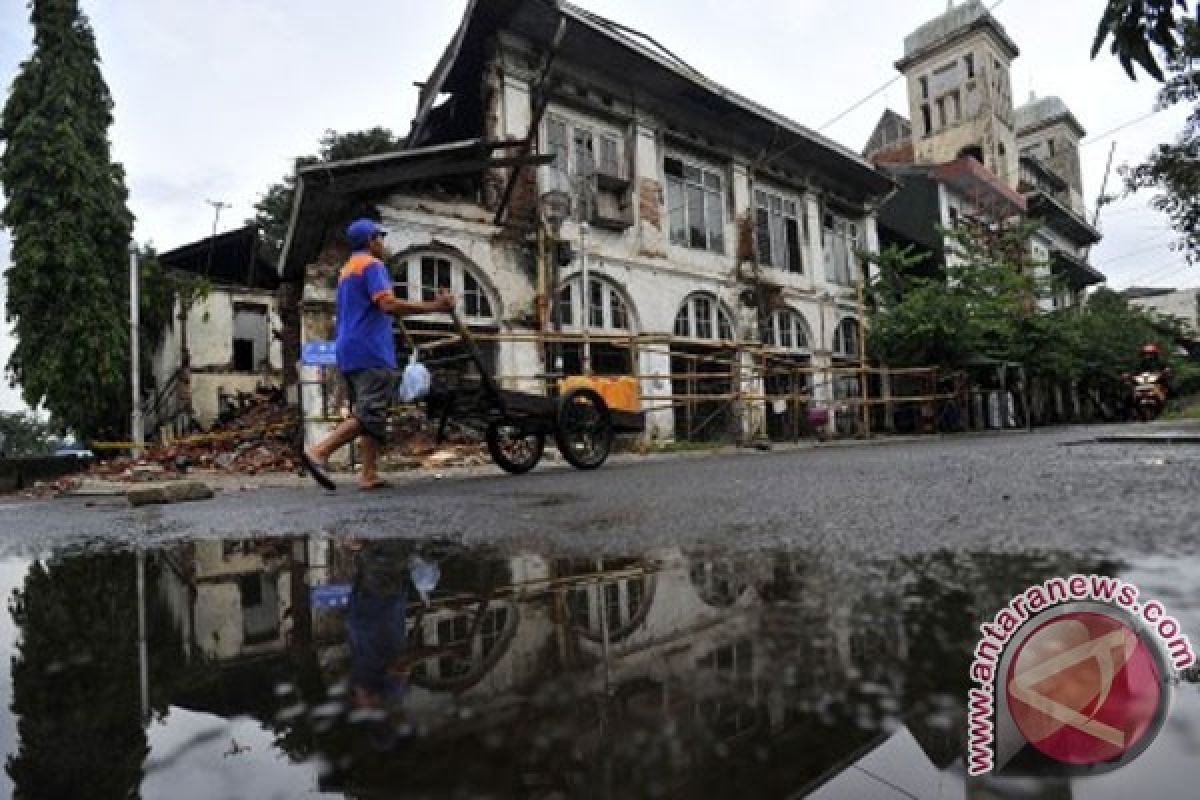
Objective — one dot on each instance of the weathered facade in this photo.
(1182, 304)
(702, 219)
(959, 90)
(225, 341)
(969, 153)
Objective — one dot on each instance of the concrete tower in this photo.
(1049, 132)
(959, 93)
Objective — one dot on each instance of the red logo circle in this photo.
(1084, 688)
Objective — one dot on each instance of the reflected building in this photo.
(683, 673)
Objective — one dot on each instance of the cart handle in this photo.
(472, 348)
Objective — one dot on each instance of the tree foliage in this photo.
(982, 305)
(274, 208)
(985, 306)
(75, 680)
(1139, 28)
(1172, 170)
(65, 206)
(23, 434)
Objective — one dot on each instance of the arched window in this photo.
(606, 306)
(462, 647)
(703, 317)
(787, 330)
(845, 338)
(420, 276)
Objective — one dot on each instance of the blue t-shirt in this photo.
(364, 331)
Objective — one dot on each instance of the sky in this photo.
(215, 98)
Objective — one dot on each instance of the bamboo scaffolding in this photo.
(738, 371)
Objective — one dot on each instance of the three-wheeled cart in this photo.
(515, 424)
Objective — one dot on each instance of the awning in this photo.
(1076, 270)
(328, 194)
(1062, 219)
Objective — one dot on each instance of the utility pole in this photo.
(218, 206)
(586, 294)
(135, 374)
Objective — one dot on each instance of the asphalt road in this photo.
(1013, 492)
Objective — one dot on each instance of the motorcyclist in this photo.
(1150, 359)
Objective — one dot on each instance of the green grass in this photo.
(1189, 408)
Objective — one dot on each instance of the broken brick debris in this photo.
(153, 494)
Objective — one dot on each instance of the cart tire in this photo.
(584, 432)
(514, 449)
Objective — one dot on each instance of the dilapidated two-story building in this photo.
(601, 208)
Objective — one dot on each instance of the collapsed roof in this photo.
(233, 258)
(639, 62)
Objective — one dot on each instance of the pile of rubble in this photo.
(260, 440)
(414, 445)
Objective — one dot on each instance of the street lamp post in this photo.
(135, 374)
(555, 208)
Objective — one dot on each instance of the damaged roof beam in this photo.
(381, 178)
(543, 99)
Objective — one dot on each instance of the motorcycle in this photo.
(1149, 395)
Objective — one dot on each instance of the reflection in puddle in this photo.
(283, 667)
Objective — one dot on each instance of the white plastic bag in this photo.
(415, 383)
(425, 576)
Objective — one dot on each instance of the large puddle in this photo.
(328, 667)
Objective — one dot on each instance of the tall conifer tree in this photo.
(65, 206)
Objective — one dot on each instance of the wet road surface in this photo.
(758, 625)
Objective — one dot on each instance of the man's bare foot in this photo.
(371, 484)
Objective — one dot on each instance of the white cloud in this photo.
(214, 99)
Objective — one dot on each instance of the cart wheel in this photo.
(514, 449)
(584, 433)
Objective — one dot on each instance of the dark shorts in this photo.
(371, 392)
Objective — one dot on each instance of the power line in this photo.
(1157, 269)
(859, 103)
(1132, 253)
(1108, 133)
(1157, 275)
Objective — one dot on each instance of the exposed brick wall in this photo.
(523, 207)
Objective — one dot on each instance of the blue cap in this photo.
(362, 231)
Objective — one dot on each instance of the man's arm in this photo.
(390, 304)
(379, 284)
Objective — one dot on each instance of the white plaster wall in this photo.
(1180, 304)
(219, 620)
(210, 327)
(210, 342)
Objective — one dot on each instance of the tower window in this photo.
(969, 61)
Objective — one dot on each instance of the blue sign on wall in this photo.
(330, 595)
(319, 354)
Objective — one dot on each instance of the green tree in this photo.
(75, 680)
(1155, 34)
(1139, 28)
(274, 208)
(65, 205)
(1172, 169)
(23, 434)
(983, 302)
